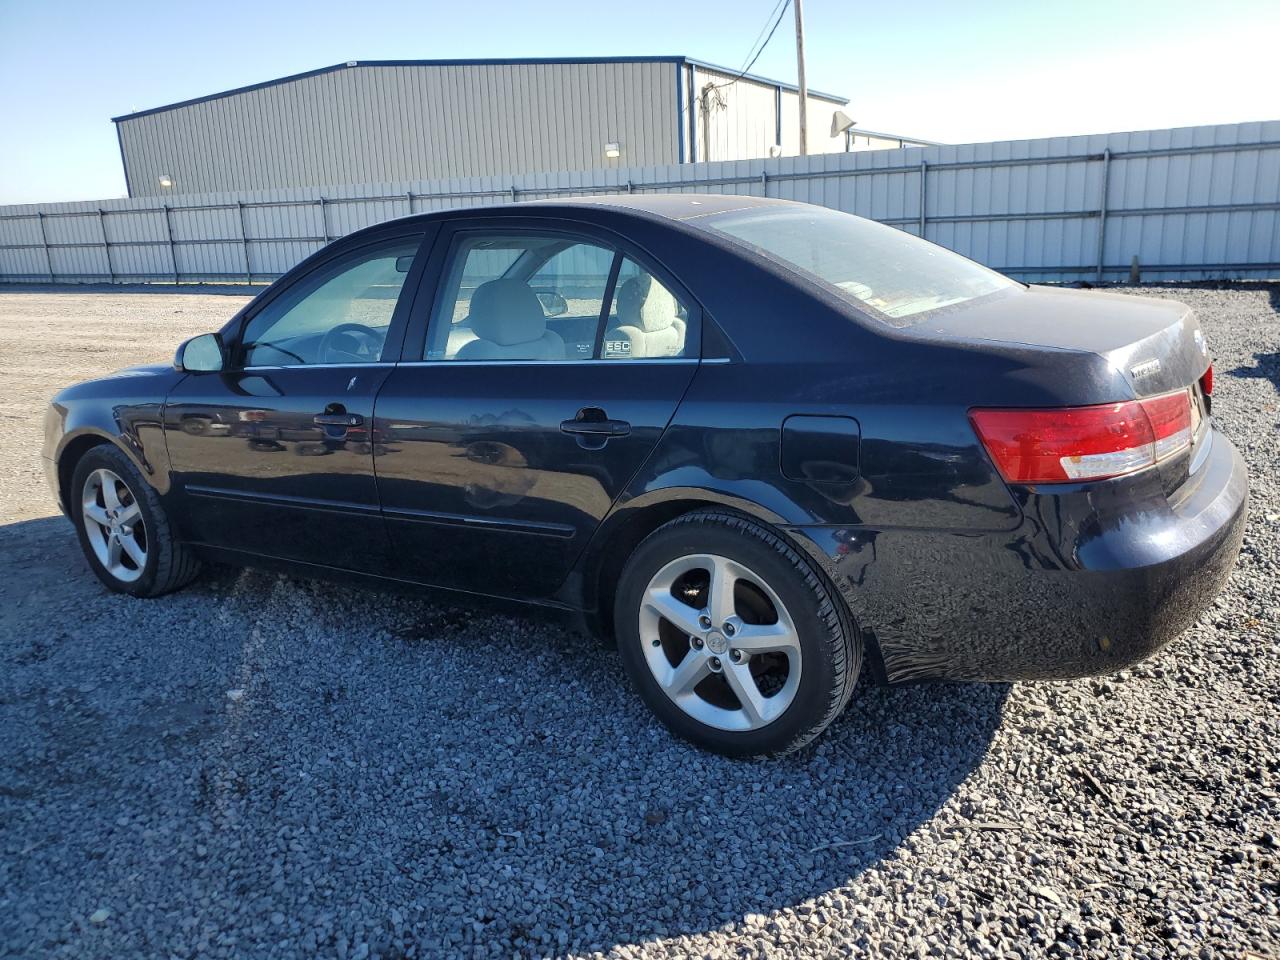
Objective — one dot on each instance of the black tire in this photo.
(169, 564)
(830, 646)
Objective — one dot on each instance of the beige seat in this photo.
(507, 319)
(649, 323)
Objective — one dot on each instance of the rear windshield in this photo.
(889, 273)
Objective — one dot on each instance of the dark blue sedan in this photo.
(762, 446)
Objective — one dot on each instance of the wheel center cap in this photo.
(716, 642)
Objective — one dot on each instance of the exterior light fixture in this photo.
(612, 151)
(166, 181)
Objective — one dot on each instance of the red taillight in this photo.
(1072, 444)
(1206, 382)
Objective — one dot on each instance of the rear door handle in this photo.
(337, 420)
(593, 429)
(594, 422)
(596, 428)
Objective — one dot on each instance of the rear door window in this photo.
(647, 321)
(511, 295)
(520, 297)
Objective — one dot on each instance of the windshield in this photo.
(896, 275)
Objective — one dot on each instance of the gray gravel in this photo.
(268, 767)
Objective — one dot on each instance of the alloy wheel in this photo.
(720, 643)
(113, 522)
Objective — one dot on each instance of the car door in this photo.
(509, 433)
(274, 454)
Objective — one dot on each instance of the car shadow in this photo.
(1266, 367)
(383, 767)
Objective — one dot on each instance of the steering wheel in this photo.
(350, 342)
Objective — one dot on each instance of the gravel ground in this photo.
(268, 767)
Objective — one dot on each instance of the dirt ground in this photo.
(49, 340)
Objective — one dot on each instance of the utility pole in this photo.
(804, 88)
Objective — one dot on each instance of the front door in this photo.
(274, 456)
(551, 366)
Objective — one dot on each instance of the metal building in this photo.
(393, 120)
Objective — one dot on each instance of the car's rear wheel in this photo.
(123, 528)
(732, 637)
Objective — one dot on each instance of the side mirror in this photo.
(553, 305)
(202, 354)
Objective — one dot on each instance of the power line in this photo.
(763, 28)
(772, 30)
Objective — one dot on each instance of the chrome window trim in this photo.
(314, 366)
(383, 364)
(615, 361)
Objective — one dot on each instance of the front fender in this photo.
(125, 410)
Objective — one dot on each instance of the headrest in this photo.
(645, 303)
(507, 312)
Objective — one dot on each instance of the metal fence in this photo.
(1185, 204)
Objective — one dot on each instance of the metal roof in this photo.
(860, 132)
(500, 61)
(670, 206)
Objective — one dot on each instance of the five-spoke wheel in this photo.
(113, 524)
(123, 527)
(733, 637)
(720, 642)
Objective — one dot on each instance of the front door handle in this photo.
(337, 420)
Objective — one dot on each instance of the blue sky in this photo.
(956, 71)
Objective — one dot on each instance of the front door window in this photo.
(339, 314)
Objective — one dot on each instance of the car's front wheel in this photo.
(123, 528)
(732, 637)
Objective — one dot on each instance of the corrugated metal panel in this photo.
(740, 116)
(398, 123)
(1193, 203)
(747, 124)
(819, 119)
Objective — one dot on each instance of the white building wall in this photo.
(743, 119)
(819, 120)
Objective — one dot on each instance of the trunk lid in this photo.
(1156, 345)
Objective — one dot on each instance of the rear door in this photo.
(274, 455)
(509, 433)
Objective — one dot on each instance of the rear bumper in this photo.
(1089, 583)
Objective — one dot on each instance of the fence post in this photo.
(244, 242)
(106, 244)
(324, 219)
(1102, 209)
(44, 242)
(173, 254)
(924, 193)
(409, 197)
